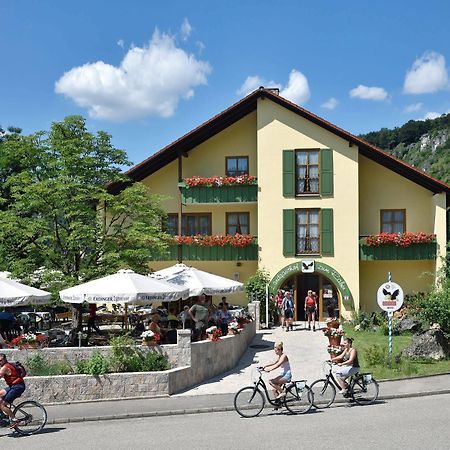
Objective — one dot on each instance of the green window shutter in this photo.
(326, 172)
(326, 232)
(288, 173)
(288, 232)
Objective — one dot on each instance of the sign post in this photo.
(390, 299)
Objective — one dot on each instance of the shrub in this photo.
(256, 290)
(435, 308)
(97, 364)
(38, 366)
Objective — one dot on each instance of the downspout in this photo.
(180, 208)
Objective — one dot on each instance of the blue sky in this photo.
(150, 71)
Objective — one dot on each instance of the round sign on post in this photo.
(390, 297)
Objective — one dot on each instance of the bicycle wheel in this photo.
(32, 417)
(298, 401)
(364, 390)
(324, 393)
(249, 402)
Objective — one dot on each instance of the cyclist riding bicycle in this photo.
(348, 364)
(15, 388)
(285, 376)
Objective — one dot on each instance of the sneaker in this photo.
(13, 423)
(314, 328)
(309, 327)
(343, 391)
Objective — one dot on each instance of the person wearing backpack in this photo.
(288, 308)
(13, 374)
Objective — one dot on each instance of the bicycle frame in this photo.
(331, 378)
(261, 383)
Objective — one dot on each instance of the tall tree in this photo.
(60, 214)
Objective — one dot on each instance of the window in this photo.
(308, 231)
(306, 172)
(393, 220)
(191, 224)
(236, 165)
(238, 223)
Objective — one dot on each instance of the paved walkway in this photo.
(306, 351)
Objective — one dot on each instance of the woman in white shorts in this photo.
(285, 375)
(347, 363)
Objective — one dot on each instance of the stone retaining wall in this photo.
(191, 364)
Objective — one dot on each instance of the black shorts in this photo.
(288, 314)
(310, 309)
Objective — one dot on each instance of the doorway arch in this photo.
(304, 267)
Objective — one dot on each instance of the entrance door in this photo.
(305, 282)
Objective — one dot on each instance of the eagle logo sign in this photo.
(390, 296)
(307, 266)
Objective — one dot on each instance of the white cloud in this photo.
(331, 103)
(413, 107)
(185, 30)
(121, 43)
(296, 90)
(149, 81)
(428, 74)
(369, 93)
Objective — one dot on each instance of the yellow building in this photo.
(319, 192)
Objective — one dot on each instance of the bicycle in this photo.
(363, 388)
(250, 400)
(31, 415)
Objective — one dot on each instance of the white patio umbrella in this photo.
(125, 286)
(13, 293)
(197, 281)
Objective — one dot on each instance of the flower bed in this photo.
(219, 181)
(400, 239)
(236, 240)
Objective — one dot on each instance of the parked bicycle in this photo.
(250, 400)
(31, 416)
(363, 388)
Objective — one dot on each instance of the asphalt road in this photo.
(413, 423)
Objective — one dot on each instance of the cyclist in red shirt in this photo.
(15, 388)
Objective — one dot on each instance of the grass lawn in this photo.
(364, 341)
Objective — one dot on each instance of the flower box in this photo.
(215, 193)
(213, 333)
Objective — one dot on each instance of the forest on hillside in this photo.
(425, 144)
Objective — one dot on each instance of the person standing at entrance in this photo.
(279, 304)
(288, 309)
(311, 308)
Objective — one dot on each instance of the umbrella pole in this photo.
(125, 318)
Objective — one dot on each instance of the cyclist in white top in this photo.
(285, 376)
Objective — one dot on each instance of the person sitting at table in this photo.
(154, 325)
(172, 319)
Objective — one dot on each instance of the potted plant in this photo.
(334, 350)
(28, 340)
(334, 335)
(213, 333)
(233, 328)
(333, 323)
(150, 339)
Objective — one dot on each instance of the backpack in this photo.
(20, 370)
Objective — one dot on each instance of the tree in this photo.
(256, 290)
(60, 214)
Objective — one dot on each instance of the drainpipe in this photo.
(180, 209)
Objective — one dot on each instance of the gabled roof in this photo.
(247, 105)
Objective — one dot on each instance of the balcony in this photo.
(385, 252)
(213, 253)
(246, 193)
